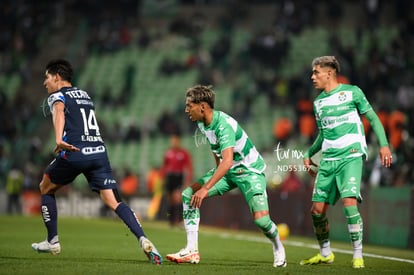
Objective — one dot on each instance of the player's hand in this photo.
(64, 146)
(386, 156)
(198, 197)
(308, 165)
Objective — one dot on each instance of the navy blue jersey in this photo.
(81, 127)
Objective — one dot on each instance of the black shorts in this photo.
(98, 172)
(174, 181)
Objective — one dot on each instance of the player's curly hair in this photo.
(327, 61)
(200, 93)
(61, 67)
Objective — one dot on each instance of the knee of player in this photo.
(263, 222)
(318, 208)
(187, 194)
(45, 187)
(41, 187)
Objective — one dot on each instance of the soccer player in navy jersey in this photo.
(81, 149)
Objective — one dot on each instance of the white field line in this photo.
(302, 244)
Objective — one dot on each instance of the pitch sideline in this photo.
(302, 244)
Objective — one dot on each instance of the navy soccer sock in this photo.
(49, 214)
(128, 216)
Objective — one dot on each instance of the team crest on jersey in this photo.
(342, 96)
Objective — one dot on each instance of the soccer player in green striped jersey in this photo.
(342, 140)
(239, 165)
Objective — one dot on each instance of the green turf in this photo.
(105, 246)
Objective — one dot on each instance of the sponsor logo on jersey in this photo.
(332, 120)
(93, 150)
(77, 94)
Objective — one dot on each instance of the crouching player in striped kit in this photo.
(341, 137)
(239, 165)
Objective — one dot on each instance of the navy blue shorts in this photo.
(98, 172)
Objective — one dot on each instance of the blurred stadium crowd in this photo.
(373, 39)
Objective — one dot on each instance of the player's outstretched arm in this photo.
(385, 152)
(307, 161)
(221, 170)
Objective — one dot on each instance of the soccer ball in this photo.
(283, 229)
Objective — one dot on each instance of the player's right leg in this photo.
(323, 195)
(321, 229)
(350, 186)
(258, 205)
(269, 229)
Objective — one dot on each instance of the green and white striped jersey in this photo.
(224, 132)
(338, 118)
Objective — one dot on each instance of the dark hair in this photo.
(200, 93)
(327, 61)
(61, 67)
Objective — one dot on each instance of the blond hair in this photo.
(200, 93)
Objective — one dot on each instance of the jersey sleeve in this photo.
(361, 101)
(226, 137)
(53, 98)
(317, 116)
(377, 127)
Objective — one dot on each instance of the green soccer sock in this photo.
(269, 229)
(355, 228)
(267, 226)
(321, 229)
(191, 218)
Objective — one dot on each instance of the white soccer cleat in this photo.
(279, 258)
(150, 251)
(46, 247)
(185, 256)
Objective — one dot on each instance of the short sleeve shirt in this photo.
(338, 118)
(81, 126)
(225, 132)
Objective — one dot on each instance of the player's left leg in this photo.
(355, 228)
(258, 205)
(350, 175)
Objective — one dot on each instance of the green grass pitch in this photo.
(105, 246)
